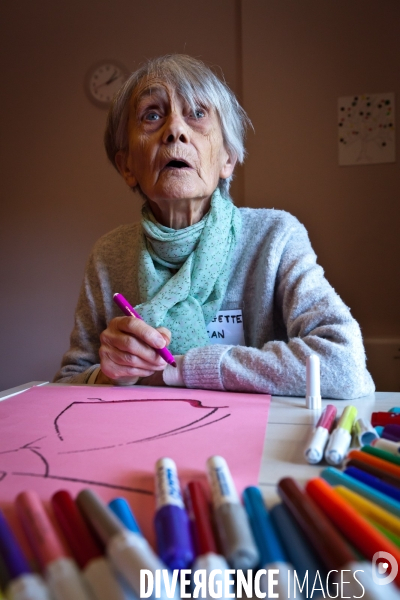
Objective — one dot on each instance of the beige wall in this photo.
(289, 60)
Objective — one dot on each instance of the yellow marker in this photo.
(370, 510)
(391, 536)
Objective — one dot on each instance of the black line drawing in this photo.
(46, 472)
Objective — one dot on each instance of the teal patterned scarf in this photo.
(183, 273)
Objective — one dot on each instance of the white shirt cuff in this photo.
(173, 375)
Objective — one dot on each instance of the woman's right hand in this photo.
(127, 351)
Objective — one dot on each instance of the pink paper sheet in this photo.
(108, 439)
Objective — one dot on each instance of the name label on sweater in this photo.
(227, 328)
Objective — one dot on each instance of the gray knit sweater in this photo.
(289, 312)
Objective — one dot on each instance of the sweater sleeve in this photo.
(82, 358)
(316, 321)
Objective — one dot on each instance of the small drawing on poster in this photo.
(366, 126)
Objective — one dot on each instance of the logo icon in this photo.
(380, 570)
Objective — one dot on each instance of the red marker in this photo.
(208, 559)
(95, 568)
(384, 418)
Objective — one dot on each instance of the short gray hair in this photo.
(197, 84)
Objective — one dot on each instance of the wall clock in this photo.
(103, 80)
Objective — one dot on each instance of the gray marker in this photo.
(128, 551)
(231, 521)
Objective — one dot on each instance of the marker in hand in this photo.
(129, 311)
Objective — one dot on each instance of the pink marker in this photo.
(319, 438)
(129, 311)
(60, 571)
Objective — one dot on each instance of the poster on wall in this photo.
(366, 129)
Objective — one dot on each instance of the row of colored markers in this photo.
(335, 525)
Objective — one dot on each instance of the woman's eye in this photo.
(152, 116)
(199, 113)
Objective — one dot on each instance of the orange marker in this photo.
(374, 461)
(352, 525)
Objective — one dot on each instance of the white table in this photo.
(289, 426)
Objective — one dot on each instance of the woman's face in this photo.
(174, 153)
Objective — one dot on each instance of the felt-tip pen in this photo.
(129, 311)
(362, 535)
(387, 446)
(272, 555)
(96, 570)
(128, 552)
(22, 584)
(320, 435)
(230, 517)
(60, 571)
(171, 521)
(208, 559)
(340, 439)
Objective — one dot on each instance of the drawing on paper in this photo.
(366, 126)
(64, 430)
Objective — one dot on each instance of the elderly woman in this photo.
(175, 133)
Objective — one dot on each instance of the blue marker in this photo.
(272, 555)
(171, 520)
(373, 482)
(299, 551)
(335, 477)
(121, 508)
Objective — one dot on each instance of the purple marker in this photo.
(129, 311)
(23, 583)
(171, 520)
(391, 432)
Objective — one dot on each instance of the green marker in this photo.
(340, 439)
(393, 458)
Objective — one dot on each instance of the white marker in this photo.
(320, 435)
(364, 431)
(340, 439)
(313, 393)
(387, 446)
(231, 521)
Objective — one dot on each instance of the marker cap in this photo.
(222, 486)
(315, 449)
(74, 528)
(313, 385)
(337, 447)
(199, 514)
(171, 520)
(28, 587)
(365, 432)
(122, 510)
(387, 446)
(38, 528)
(347, 418)
(104, 521)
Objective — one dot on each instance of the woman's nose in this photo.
(175, 129)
